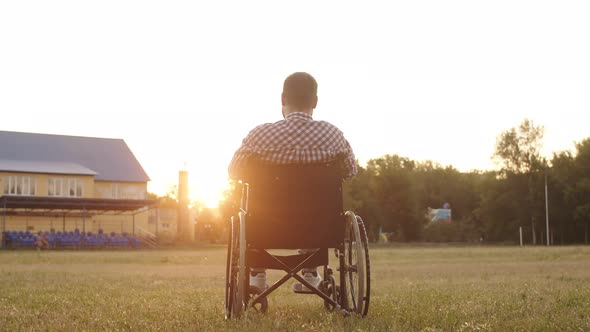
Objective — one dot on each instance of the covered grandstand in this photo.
(81, 209)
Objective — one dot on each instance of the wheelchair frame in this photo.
(350, 296)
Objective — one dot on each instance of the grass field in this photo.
(413, 289)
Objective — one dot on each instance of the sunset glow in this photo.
(185, 82)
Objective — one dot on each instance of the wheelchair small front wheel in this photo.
(330, 288)
(258, 304)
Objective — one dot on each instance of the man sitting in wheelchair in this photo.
(310, 156)
(297, 139)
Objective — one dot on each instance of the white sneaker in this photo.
(258, 279)
(312, 277)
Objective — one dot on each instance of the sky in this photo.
(183, 82)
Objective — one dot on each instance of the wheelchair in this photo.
(296, 207)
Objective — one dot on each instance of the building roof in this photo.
(109, 159)
(51, 167)
(54, 206)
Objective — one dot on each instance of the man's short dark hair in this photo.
(300, 90)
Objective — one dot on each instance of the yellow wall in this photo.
(121, 190)
(92, 189)
(108, 223)
(42, 181)
(46, 223)
(99, 189)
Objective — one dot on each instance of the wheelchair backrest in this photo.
(294, 207)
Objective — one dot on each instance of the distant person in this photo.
(297, 139)
(42, 242)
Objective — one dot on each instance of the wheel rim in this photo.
(242, 273)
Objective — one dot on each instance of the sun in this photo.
(208, 189)
(210, 201)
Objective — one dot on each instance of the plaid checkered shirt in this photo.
(297, 139)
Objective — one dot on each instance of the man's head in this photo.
(300, 93)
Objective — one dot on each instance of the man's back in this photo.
(297, 139)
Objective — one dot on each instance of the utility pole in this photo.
(546, 208)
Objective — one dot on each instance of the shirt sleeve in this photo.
(243, 153)
(348, 161)
(238, 162)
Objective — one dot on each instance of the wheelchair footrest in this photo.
(299, 289)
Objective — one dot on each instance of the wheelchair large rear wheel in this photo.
(355, 266)
(233, 297)
(228, 273)
(365, 240)
(243, 271)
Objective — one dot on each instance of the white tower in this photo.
(186, 230)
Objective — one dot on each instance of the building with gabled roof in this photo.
(70, 182)
(111, 159)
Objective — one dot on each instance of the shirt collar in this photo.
(300, 116)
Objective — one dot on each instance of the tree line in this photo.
(392, 194)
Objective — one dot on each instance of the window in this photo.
(115, 190)
(71, 187)
(55, 187)
(51, 187)
(65, 187)
(19, 185)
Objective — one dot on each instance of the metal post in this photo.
(547, 209)
(157, 219)
(64, 222)
(4, 224)
(84, 220)
(520, 231)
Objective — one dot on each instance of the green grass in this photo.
(413, 289)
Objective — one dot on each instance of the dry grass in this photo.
(414, 289)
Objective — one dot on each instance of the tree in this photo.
(570, 192)
(391, 185)
(518, 150)
(561, 182)
(581, 190)
(359, 197)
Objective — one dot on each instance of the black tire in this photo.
(233, 304)
(228, 299)
(365, 240)
(231, 271)
(258, 304)
(330, 288)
